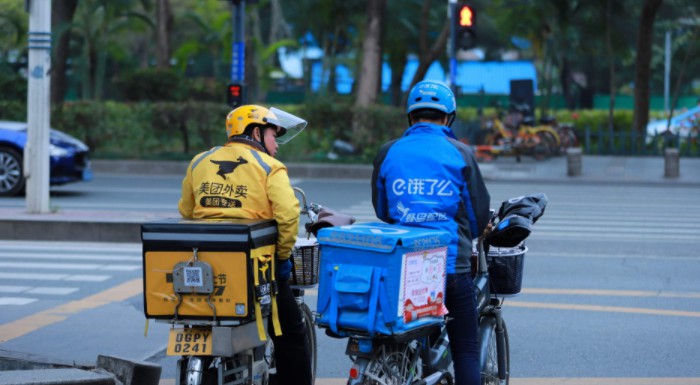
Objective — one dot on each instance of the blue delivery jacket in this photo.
(430, 179)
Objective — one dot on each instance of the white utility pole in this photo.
(36, 152)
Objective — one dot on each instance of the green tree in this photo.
(97, 25)
(205, 35)
(335, 25)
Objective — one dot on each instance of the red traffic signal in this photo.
(235, 95)
(465, 16)
(465, 27)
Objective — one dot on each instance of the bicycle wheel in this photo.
(311, 337)
(569, 138)
(545, 145)
(489, 368)
(394, 364)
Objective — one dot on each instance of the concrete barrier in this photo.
(574, 161)
(671, 163)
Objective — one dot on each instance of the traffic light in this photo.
(465, 26)
(235, 95)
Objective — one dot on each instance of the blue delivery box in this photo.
(377, 278)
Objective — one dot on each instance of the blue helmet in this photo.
(432, 94)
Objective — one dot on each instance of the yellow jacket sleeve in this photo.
(186, 204)
(285, 209)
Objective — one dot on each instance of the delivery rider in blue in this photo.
(242, 179)
(428, 178)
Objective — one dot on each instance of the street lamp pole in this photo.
(36, 152)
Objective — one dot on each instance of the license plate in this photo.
(192, 341)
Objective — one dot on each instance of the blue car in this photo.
(69, 158)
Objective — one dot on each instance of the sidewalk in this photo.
(122, 226)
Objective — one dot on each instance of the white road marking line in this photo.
(14, 289)
(54, 277)
(39, 290)
(53, 290)
(66, 266)
(15, 301)
(62, 257)
(121, 267)
(88, 278)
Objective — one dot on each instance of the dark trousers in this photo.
(460, 301)
(291, 348)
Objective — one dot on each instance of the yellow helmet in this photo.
(240, 118)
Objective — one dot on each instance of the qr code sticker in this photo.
(193, 276)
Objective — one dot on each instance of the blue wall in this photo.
(472, 76)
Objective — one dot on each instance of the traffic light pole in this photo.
(451, 45)
(36, 152)
(237, 53)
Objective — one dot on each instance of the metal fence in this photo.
(602, 141)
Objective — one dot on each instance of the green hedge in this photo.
(179, 130)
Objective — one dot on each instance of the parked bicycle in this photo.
(568, 137)
(422, 355)
(513, 134)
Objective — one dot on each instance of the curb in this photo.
(26, 369)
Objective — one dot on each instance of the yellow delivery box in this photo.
(213, 269)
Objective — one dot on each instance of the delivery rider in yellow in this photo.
(242, 179)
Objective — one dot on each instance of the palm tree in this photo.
(97, 25)
(208, 33)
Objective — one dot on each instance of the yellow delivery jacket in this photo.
(240, 181)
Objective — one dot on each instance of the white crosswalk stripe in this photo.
(38, 290)
(35, 271)
(632, 213)
(16, 301)
(66, 266)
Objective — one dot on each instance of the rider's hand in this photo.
(487, 230)
(284, 269)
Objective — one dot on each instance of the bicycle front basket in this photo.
(506, 266)
(304, 264)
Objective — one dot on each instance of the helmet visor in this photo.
(291, 125)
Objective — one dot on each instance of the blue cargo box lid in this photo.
(382, 237)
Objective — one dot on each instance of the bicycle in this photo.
(568, 137)
(517, 136)
(422, 355)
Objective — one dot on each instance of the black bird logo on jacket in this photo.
(227, 166)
